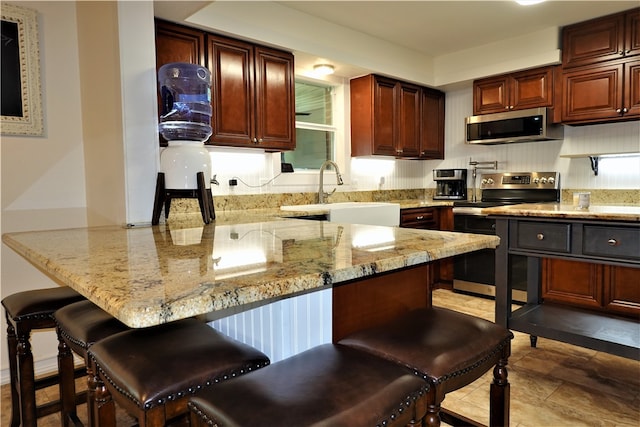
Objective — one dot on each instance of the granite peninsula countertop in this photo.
(568, 211)
(146, 276)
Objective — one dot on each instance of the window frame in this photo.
(342, 140)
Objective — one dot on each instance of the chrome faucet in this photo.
(322, 196)
(480, 165)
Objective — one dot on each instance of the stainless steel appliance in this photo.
(513, 126)
(475, 272)
(451, 184)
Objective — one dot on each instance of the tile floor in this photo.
(552, 385)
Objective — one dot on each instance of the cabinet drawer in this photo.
(617, 242)
(543, 236)
(419, 218)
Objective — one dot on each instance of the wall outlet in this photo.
(233, 182)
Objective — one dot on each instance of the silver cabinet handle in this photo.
(612, 242)
(419, 217)
(540, 236)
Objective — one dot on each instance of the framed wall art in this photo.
(21, 106)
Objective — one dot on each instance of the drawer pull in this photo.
(420, 217)
(540, 236)
(612, 242)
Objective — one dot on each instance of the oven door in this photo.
(474, 272)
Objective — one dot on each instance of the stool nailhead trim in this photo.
(403, 405)
(469, 368)
(181, 393)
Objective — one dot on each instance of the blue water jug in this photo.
(185, 113)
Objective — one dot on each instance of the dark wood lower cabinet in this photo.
(604, 287)
(432, 218)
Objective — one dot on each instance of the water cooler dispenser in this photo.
(185, 122)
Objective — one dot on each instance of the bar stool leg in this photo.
(92, 385)
(500, 392)
(67, 382)
(104, 407)
(27, 380)
(12, 345)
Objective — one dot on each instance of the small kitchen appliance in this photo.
(475, 272)
(512, 126)
(451, 184)
(185, 122)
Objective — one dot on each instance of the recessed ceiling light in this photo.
(528, 2)
(323, 69)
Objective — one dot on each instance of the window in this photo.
(315, 130)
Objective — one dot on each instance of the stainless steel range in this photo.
(475, 272)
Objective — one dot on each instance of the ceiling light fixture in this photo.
(323, 69)
(528, 2)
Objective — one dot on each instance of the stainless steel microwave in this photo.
(513, 126)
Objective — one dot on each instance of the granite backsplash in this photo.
(275, 200)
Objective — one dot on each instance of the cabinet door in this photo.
(409, 120)
(632, 28)
(432, 140)
(577, 283)
(597, 40)
(231, 66)
(632, 89)
(622, 289)
(592, 94)
(275, 101)
(491, 95)
(532, 89)
(175, 43)
(384, 116)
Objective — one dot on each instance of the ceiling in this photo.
(433, 28)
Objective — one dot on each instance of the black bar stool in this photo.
(25, 312)
(151, 372)
(79, 326)
(447, 348)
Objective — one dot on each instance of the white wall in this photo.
(43, 178)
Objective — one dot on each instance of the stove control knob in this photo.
(484, 181)
(536, 180)
(551, 180)
(487, 181)
(543, 180)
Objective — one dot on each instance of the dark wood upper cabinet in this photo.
(252, 95)
(605, 92)
(252, 88)
(232, 91)
(432, 139)
(516, 91)
(601, 69)
(275, 99)
(176, 43)
(602, 39)
(394, 118)
(409, 119)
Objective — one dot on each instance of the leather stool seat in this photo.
(151, 372)
(79, 326)
(329, 385)
(25, 312)
(449, 349)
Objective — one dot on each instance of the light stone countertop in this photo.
(624, 212)
(146, 276)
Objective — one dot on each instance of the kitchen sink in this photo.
(371, 213)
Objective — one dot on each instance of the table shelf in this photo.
(586, 328)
